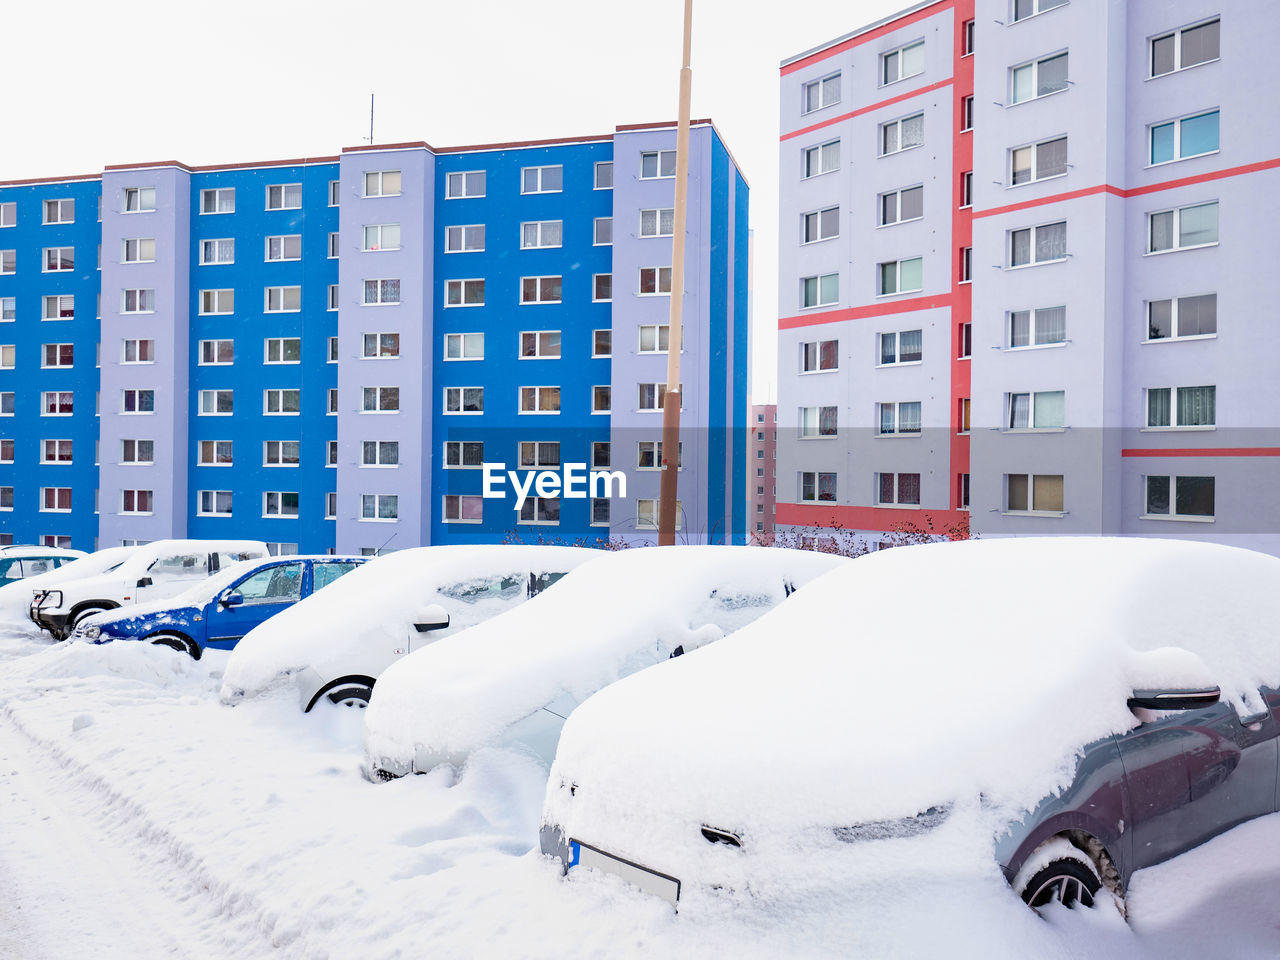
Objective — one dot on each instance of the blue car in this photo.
(218, 611)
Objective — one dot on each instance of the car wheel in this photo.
(177, 642)
(75, 618)
(353, 695)
(1067, 880)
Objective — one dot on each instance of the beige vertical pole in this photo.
(667, 492)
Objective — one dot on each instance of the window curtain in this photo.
(1051, 325)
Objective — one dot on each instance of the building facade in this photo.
(764, 463)
(323, 353)
(1017, 273)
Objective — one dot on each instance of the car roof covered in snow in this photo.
(608, 618)
(926, 673)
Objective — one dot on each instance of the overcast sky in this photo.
(89, 83)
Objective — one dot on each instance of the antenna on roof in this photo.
(370, 137)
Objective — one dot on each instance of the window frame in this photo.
(1033, 235)
(1031, 496)
(1175, 318)
(283, 392)
(465, 179)
(541, 176)
(820, 84)
(215, 193)
(283, 189)
(461, 285)
(1173, 515)
(1176, 230)
(461, 338)
(897, 123)
(1035, 66)
(1176, 123)
(1007, 426)
(376, 502)
(896, 407)
(1177, 33)
(461, 410)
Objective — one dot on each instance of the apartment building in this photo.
(322, 353)
(763, 480)
(1019, 286)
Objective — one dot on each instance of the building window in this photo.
(1046, 243)
(463, 454)
(57, 403)
(285, 299)
(380, 400)
(540, 289)
(601, 399)
(1185, 48)
(539, 399)
(962, 486)
(215, 453)
(279, 504)
(284, 196)
(131, 401)
(6, 501)
(655, 281)
(277, 453)
(653, 396)
(603, 232)
(466, 238)
(649, 455)
(464, 400)
(464, 293)
(1033, 493)
(59, 259)
(8, 309)
(601, 454)
(1039, 78)
(138, 301)
(335, 192)
(379, 292)
(463, 346)
(136, 501)
(824, 158)
(331, 408)
(1045, 410)
(466, 183)
(820, 225)
(898, 135)
(899, 206)
(8, 262)
(379, 506)
(654, 337)
(966, 113)
(9, 214)
(658, 222)
(967, 30)
(1188, 137)
(216, 403)
(380, 453)
(604, 175)
(6, 404)
(647, 514)
(331, 453)
(902, 63)
(966, 264)
(463, 509)
(60, 211)
(657, 165)
(1182, 228)
(601, 287)
(905, 346)
(818, 356)
(219, 200)
(898, 489)
(540, 345)
(334, 245)
(818, 94)
(818, 422)
(137, 451)
(57, 355)
(1182, 317)
(537, 234)
(60, 307)
(331, 506)
(548, 179)
(333, 296)
(8, 356)
(962, 415)
(1029, 8)
(815, 487)
(601, 343)
(385, 236)
(217, 251)
(282, 350)
(1195, 406)
(534, 454)
(901, 276)
(1172, 496)
(898, 419)
(216, 301)
(599, 512)
(966, 189)
(966, 341)
(288, 247)
(1039, 327)
(282, 402)
(214, 352)
(56, 451)
(540, 510)
(214, 503)
(1038, 161)
(55, 499)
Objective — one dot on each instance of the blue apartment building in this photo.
(320, 353)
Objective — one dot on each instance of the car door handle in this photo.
(1254, 719)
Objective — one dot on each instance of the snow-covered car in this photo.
(21, 562)
(515, 678)
(15, 598)
(337, 643)
(156, 571)
(1077, 708)
(220, 609)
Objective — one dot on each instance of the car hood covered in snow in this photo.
(378, 603)
(913, 678)
(614, 616)
(15, 598)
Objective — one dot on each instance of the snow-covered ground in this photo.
(141, 819)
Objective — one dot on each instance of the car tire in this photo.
(177, 642)
(80, 613)
(1067, 879)
(354, 695)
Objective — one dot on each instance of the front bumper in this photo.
(51, 620)
(574, 853)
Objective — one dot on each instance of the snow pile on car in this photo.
(607, 619)
(378, 603)
(912, 678)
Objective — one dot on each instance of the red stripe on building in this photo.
(961, 237)
(873, 34)
(872, 310)
(1201, 452)
(867, 109)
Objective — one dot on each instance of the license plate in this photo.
(650, 881)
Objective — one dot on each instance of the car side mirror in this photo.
(434, 617)
(1175, 699)
(144, 582)
(231, 598)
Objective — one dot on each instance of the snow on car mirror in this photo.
(231, 598)
(433, 617)
(1175, 699)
